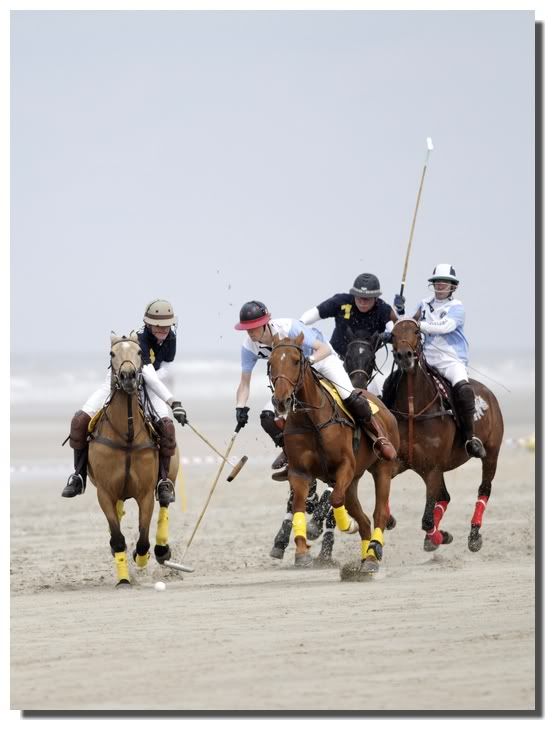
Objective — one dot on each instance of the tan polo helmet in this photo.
(159, 312)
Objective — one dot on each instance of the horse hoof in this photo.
(314, 529)
(447, 537)
(429, 546)
(277, 552)
(351, 572)
(123, 583)
(474, 540)
(369, 565)
(391, 523)
(162, 553)
(303, 560)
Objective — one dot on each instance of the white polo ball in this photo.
(160, 586)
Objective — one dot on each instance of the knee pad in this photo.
(79, 430)
(166, 429)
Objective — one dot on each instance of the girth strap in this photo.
(123, 447)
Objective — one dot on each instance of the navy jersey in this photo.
(347, 314)
(152, 352)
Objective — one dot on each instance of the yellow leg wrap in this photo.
(342, 519)
(120, 509)
(364, 548)
(141, 561)
(377, 535)
(162, 528)
(299, 524)
(121, 566)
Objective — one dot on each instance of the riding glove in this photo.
(179, 412)
(242, 415)
(385, 337)
(399, 304)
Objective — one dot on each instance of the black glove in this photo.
(179, 412)
(242, 415)
(385, 337)
(399, 304)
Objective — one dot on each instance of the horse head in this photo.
(360, 356)
(406, 343)
(286, 366)
(126, 362)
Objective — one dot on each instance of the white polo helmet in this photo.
(159, 312)
(444, 272)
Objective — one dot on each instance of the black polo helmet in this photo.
(253, 314)
(366, 286)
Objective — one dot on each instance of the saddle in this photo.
(332, 390)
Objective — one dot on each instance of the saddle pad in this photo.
(332, 390)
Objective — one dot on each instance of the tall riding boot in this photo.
(357, 404)
(165, 492)
(464, 400)
(78, 441)
(268, 423)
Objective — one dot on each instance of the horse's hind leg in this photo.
(489, 467)
(437, 501)
(117, 540)
(141, 553)
(299, 484)
(281, 540)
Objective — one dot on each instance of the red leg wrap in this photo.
(435, 536)
(439, 511)
(479, 511)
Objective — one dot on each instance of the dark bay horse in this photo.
(123, 460)
(319, 444)
(431, 444)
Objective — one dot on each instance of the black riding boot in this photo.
(268, 423)
(78, 480)
(464, 400)
(78, 435)
(357, 404)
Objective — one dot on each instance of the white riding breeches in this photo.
(332, 368)
(95, 402)
(453, 370)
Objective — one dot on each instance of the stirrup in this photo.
(165, 491)
(475, 447)
(75, 486)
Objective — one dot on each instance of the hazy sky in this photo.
(215, 157)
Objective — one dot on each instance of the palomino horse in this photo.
(319, 444)
(430, 441)
(123, 460)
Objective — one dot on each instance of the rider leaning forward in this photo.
(261, 328)
(158, 346)
(441, 319)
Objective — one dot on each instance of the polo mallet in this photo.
(236, 467)
(178, 565)
(403, 278)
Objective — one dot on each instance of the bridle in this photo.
(116, 375)
(294, 384)
(366, 343)
(416, 352)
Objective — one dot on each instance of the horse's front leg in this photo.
(141, 553)
(343, 478)
(372, 549)
(300, 484)
(117, 540)
(437, 500)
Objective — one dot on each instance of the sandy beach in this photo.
(450, 630)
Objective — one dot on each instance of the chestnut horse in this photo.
(319, 444)
(123, 460)
(431, 444)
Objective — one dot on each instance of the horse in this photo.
(123, 460)
(319, 444)
(431, 443)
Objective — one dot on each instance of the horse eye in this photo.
(112, 354)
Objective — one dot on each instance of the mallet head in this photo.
(237, 468)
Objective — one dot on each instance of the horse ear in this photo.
(350, 334)
(275, 340)
(299, 339)
(133, 336)
(113, 337)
